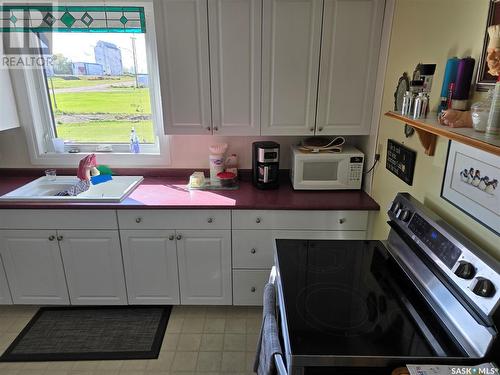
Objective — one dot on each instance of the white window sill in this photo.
(115, 159)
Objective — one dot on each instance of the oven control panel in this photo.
(466, 265)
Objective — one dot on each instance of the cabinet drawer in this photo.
(57, 219)
(300, 220)
(174, 219)
(254, 249)
(248, 286)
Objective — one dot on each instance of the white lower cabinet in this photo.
(33, 266)
(5, 297)
(248, 286)
(150, 260)
(94, 267)
(204, 258)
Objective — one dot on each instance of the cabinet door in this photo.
(235, 62)
(5, 297)
(94, 268)
(150, 260)
(182, 38)
(204, 258)
(349, 61)
(291, 36)
(33, 265)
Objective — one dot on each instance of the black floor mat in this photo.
(91, 333)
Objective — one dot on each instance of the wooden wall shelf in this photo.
(429, 129)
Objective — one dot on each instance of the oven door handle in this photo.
(278, 358)
(280, 365)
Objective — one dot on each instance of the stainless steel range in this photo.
(426, 295)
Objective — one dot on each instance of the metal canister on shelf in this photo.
(417, 106)
(406, 106)
(493, 125)
(425, 105)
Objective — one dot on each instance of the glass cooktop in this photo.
(350, 298)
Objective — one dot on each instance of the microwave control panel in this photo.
(355, 168)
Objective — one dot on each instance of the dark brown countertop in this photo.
(171, 193)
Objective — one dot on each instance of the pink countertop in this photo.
(171, 193)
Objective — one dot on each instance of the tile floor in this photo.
(198, 340)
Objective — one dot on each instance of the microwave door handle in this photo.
(266, 174)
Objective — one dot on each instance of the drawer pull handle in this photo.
(52, 238)
(171, 237)
(252, 289)
(138, 220)
(210, 220)
(253, 251)
(179, 237)
(60, 238)
(258, 220)
(341, 221)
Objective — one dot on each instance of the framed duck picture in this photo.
(471, 181)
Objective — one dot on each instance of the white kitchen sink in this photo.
(43, 190)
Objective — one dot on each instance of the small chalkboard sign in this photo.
(400, 161)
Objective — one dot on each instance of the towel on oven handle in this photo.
(269, 344)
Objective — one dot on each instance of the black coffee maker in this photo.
(266, 164)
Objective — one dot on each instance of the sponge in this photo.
(104, 169)
(100, 179)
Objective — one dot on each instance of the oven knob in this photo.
(395, 207)
(484, 288)
(405, 215)
(465, 270)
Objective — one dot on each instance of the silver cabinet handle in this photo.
(253, 289)
(258, 220)
(253, 251)
(341, 221)
(52, 238)
(60, 238)
(138, 220)
(171, 237)
(179, 237)
(210, 220)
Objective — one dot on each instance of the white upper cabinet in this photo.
(182, 38)
(235, 63)
(348, 69)
(291, 35)
(8, 109)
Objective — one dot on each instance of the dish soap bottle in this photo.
(134, 142)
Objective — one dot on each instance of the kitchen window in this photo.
(102, 80)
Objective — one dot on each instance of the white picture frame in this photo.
(471, 183)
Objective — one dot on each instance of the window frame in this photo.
(39, 127)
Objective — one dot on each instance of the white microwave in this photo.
(327, 170)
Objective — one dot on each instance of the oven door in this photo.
(321, 172)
